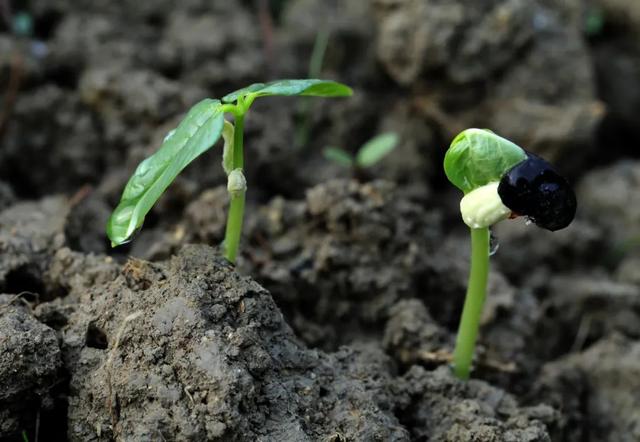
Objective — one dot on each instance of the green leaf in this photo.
(338, 156)
(376, 148)
(478, 157)
(310, 88)
(233, 96)
(199, 130)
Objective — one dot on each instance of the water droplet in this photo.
(169, 135)
(494, 244)
(133, 236)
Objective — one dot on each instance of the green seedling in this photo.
(594, 22)
(369, 154)
(499, 180)
(315, 69)
(22, 24)
(198, 132)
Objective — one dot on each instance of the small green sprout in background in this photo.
(368, 155)
(594, 21)
(197, 133)
(315, 69)
(22, 24)
(499, 180)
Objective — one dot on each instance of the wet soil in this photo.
(338, 322)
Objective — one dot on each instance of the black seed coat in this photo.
(533, 188)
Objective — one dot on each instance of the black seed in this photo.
(533, 188)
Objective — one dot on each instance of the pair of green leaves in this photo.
(287, 88)
(198, 132)
(478, 157)
(368, 155)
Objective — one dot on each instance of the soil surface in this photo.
(338, 322)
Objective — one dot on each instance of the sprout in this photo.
(369, 154)
(197, 133)
(499, 180)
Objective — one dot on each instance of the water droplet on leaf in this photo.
(169, 135)
(133, 236)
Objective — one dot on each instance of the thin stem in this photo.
(234, 227)
(317, 53)
(315, 69)
(236, 206)
(230, 108)
(473, 304)
(238, 142)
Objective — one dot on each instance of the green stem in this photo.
(315, 69)
(473, 304)
(236, 206)
(234, 228)
(238, 140)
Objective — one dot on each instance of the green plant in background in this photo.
(499, 180)
(594, 21)
(368, 155)
(22, 24)
(199, 131)
(315, 69)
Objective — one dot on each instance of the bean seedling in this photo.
(499, 180)
(369, 154)
(198, 132)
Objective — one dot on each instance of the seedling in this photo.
(499, 180)
(369, 154)
(198, 132)
(315, 69)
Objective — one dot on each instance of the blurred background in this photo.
(89, 88)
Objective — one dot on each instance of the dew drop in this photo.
(133, 236)
(494, 244)
(169, 135)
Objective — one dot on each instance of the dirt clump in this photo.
(597, 391)
(188, 349)
(30, 367)
(30, 233)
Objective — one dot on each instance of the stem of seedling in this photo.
(473, 304)
(236, 204)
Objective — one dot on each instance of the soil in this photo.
(338, 321)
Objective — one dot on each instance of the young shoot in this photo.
(197, 133)
(315, 70)
(369, 154)
(499, 180)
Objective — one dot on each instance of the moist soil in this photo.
(338, 322)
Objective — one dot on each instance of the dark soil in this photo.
(338, 322)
